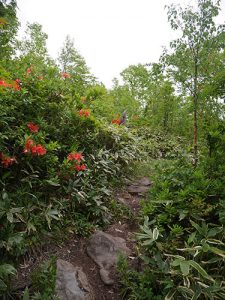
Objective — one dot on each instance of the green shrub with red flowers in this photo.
(57, 161)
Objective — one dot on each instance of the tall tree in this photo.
(8, 28)
(137, 80)
(190, 60)
(73, 63)
(152, 93)
(34, 45)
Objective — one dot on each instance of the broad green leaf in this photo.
(218, 251)
(176, 262)
(53, 213)
(4, 195)
(185, 267)
(52, 183)
(185, 291)
(31, 227)
(155, 234)
(3, 286)
(200, 270)
(10, 217)
(7, 269)
(214, 231)
(191, 237)
(170, 295)
(26, 295)
(15, 239)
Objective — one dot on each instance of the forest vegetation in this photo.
(63, 151)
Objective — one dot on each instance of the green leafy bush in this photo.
(57, 161)
(182, 240)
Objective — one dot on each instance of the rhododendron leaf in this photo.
(15, 240)
(52, 183)
(26, 295)
(7, 269)
(185, 267)
(4, 195)
(31, 227)
(10, 217)
(3, 286)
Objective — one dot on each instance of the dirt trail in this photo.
(74, 249)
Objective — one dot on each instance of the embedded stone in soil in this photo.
(104, 249)
(139, 186)
(71, 282)
(144, 181)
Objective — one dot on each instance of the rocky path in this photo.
(86, 267)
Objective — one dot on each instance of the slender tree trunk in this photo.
(195, 134)
(195, 113)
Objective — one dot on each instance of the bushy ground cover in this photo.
(182, 236)
(57, 162)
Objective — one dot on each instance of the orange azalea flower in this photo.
(16, 85)
(87, 113)
(28, 145)
(65, 75)
(29, 70)
(33, 127)
(6, 160)
(75, 156)
(83, 167)
(77, 167)
(84, 112)
(116, 121)
(40, 150)
(3, 83)
(80, 168)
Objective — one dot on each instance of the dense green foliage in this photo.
(62, 149)
(182, 237)
(58, 161)
(182, 240)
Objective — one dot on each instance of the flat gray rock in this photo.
(104, 249)
(135, 189)
(144, 181)
(71, 282)
(139, 186)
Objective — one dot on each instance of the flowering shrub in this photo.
(116, 121)
(84, 112)
(6, 160)
(80, 168)
(77, 158)
(46, 180)
(15, 84)
(65, 75)
(4, 84)
(37, 149)
(29, 70)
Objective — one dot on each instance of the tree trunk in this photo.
(195, 113)
(195, 134)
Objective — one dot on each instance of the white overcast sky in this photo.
(109, 34)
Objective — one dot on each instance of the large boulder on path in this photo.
(104, 249)
(71, 282)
